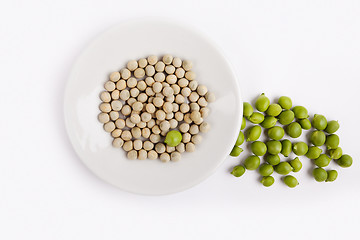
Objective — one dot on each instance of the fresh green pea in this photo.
(256, 118)
(335, 153)
(262, 103)
(173, 138)
(331, 175)
(332, 141)
(266, 169)
(247, 109)
(305, 123)
(313, 152)
(290, 181)
(320, 174)
(345, 161)
(286, 147)
(258, 148)
(300, 112)
(332, 126)
(285, 102)
(319, 122)
(267, 181)
(294, 130)
(276, 133)
(269, 121)
(317, 138)
(296, 164)
(243, 123)
(283, 168)
(272, 159)
(286, 117)
(238, 171)
(300, 148)
(252, 162)
(322, 161)
(253, 133)
(274, 110)
(273, 147)
(240, 139)
(236, 151)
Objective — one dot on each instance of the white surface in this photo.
(306, 49)
(110, 52)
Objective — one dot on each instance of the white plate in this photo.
(109, 52)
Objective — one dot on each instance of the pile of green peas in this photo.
(292, 121)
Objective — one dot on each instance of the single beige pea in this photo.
(175, 88)
(194, 129)
(132, 65)
(180, 148)
(125, 73)
(167, 59)
(105, 107)
(117, 142)
(105, 96)
(202, 90)
(157, 87)
(180, 73)
(160, 66)
(159, 147)
(156, 129)
(179, 99)
(167, 91)
(169, 149)
(136, 133)
(152, 155)
(184, 127)
(103, 117)
(159, 77)
(148, 145)
(132, 155)
(158, 102)
(210, 97)
(190, 75)
(194, 107)
(184, 108)
(152, 60)
(109, 86)
(186, 137)
(121, 85)
(190, 147)
(204, 112)
(177, 62)
(165, 157)
(160, 115)
(150, 123)
(129, 123)
(139, 73)
(187, 118)
(193, 85)
(138, 144)
(145, 132)
(204, 127)
(131, 82)
(116, 105)
(115, 94)
(179, 116)
(149, 91)
(141, 124)
(155, 138)
(115, 76)
(193, 97)
(187, 65)
(196, 139)
(124, 94)
(134, 92)
(116, 133)
(141, 85)
(126, 135)
(173, 123)
(170, 69)
(142, 155)
(120, 123)
(109, 126)
(202, 102)
(126, 110)
(186, 91)
(142, 62)
(183, 82)
(114, 115)
(175, 156)
(128, 146)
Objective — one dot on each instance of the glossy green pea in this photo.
(319, 122)
(294, 130)
(300, 148)
(266, 169)
(283, 168)
(243, 123)
(247, 109)
(296, 164)
(300, 112)
(290, 181)
(286, 117)
(320, 174)
(262, 103)
(332, 126)
(236, 151)
(331, 175)
(240, 139)
(272, 159)
(317, 138)
(313, 152)
(345, 161)
(285, 102)
(238, 171)
(274, 110)
(252, 162)
(286, 148)
(267, 181)
(305, 123)
(322, 161)
(256, 118)
(269, 121)
(253, 133)
(273, 147)
(335, 153)
(332, 141)
(258, 148)
(276, 133)
(173, 138)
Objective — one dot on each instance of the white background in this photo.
(309, 50)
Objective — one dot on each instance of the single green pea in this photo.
(276, 133)
(300, 148)
(331, 175)
(345, 161)
(332, 141)
(240, 139)
(258, 148)
(322, 161)
(256, 118)
(290, 181)
(236, 151)
(300, 112)
(296, 164)
(317, 138)
(247, 109)
(285, 102)
(294, 130)
(283, 168)
(305, 123)
(252, 162)
(269, 121)
(272, 159)
(266, 169)
(319, 122)
(335, 153)
(262, 103)
(238, 171)
(267, 181)
(173, 138)
(286, 117)
(320, 174)
(332, 126)
(243, 123)
(273, 147)
(313, 152)
(274, 110)
(286, 148)
(253, 133)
